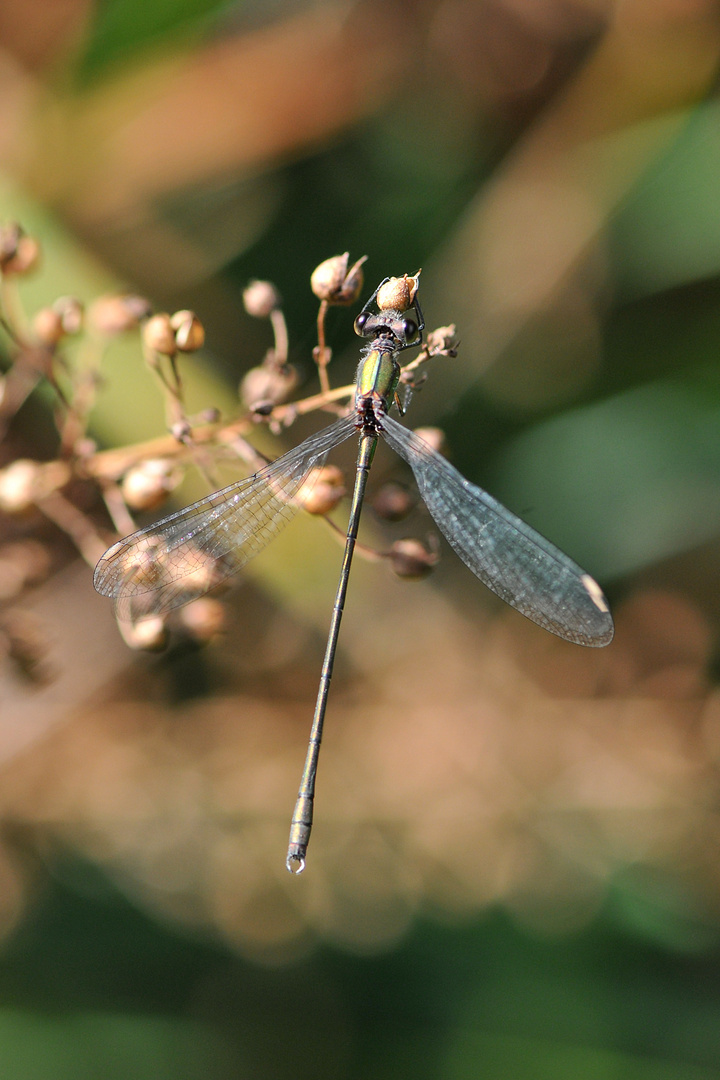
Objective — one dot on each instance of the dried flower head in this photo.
(268, 384)
(442, 341)
(393, 501)
(203, 619)
(332, 282)
(23, 482)
(17, 486)
(260, 299)
(19, 253)
(189, 331)
(12, 579)
(434, 437)
(115, 313)
(181, 429)
(10, 235)
(71, 313)
(159, 335)
(148, 484)
(410, 558)
(26, 643)
(398, 294)
(322, 490)
(47, 326)
(22, 563)
(146, 635)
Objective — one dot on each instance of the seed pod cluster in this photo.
(170, 334)
(62, 318)
(117, 312)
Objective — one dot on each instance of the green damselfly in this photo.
(177, 559)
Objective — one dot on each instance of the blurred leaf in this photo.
(624, 482)
(539, 1059)
(667, 232)
(84, 1046)
(123, 27)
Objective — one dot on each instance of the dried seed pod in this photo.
(18, 485)
(19, 254)
(398, 294)
(333, 282)
(209, 416)
(410, 558)
(85, 448)
(65, 316)
(203, 619)
(189, 574)
(198, 571)
(12, 579)
(189, 331)
(71, 313)
(23, 482)
(22, 562)
(260, 299)
(148, 484)
(27, 645)
(10, 235)
(393, 501)
(147, 635)
(181, 429)
(31, 557)
(115, 313)
(442, 341)
(434, 437)
(322, 491)
(145, 569)
(48, 326)
(158, 335)
(268, 384)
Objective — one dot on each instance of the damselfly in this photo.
(187, 553)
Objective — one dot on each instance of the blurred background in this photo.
(515, 867)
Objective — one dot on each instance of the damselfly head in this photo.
(405, 331)
(393, 298)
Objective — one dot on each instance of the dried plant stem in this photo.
(322, 353)
(74, 523)
(112, 464)
(117, 508)
(280, 334)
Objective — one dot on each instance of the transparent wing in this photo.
(508, 556)
(182, 556)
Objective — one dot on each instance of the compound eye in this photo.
(410, 330)
(361, 322)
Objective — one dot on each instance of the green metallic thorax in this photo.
(377, 380)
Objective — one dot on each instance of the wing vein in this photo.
(191, 551)
(517, 563)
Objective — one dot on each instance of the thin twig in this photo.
(322, 354)
(112, 464)
(74, 523)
